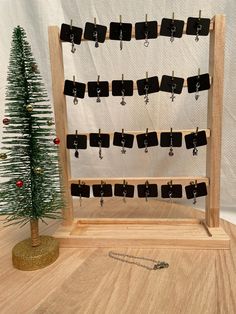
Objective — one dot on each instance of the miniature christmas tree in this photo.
(31, 189)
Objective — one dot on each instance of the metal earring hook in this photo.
(123, 103)
(72, 37)
(146, 89)
(75, 100)
(95, 33)
(173, 87)
(171, 152)
(146, 42)
(146, 141)
(195, 150)
(98, 90)
(197, 86)
(172, 28)
(121, 34)
(76, 143)
(123, 150)
(100, 144)
(199, 27)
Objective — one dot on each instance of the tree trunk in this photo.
(34, 226)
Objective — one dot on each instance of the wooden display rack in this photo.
(149, 232)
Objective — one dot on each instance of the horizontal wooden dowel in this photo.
(138, 180)
(159, 28)
(184, 132)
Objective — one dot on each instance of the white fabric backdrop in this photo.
(184, 56)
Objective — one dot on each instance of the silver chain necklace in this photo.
(121, 257)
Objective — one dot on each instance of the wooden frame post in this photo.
(214, 120)
(60, 111)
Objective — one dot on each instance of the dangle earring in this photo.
(194, 192)
(95, 34)
(102, 194)
(173, 88)
(146, 142)
(195, 150)
(75, 100)
(170, 193)
(98, 90)
(124, 191)
(76, 145)
(100, 144)
(147, 193)
(171, 152)
(80, 195)
(123, 103)
(197, 86)
(199, 27)
(73, 49)
(172, 28)
(123, 150)
(146, 42)
(146, 88)
(121, 34)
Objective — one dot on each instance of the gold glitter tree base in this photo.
(26, 257)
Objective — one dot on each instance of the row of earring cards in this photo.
(145, 30)
(169, 83)
(144, 140)
(146, 190)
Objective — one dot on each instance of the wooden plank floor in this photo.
(88, 281)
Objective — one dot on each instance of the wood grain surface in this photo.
(88, 281)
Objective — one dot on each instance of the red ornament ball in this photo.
(6, 121)
(19, 183)
(56, 141)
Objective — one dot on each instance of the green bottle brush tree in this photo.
(30, 188)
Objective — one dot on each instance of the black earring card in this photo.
(150, 188)
(150, 137)
(168, 81)
(125, 85)
(101, 87)
(199, 138)
(165, 139)
(120, 137)
(120, 189)
(150, 27)
(105, 188)
(66, 31)
(151, 85)
(203, 80)
(82, 190)
(200, 188)
(95, 138)
(91, 28)
(168, 24)
(70, 86)
(175, 190)
(78, 141)
(194, 22)
(116, 28)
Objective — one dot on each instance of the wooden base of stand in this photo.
(151, 232)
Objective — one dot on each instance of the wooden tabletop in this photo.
(88, 281)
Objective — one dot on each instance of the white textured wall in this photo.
(161, 57)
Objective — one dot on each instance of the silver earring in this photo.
(171, 152)
(73, 49)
